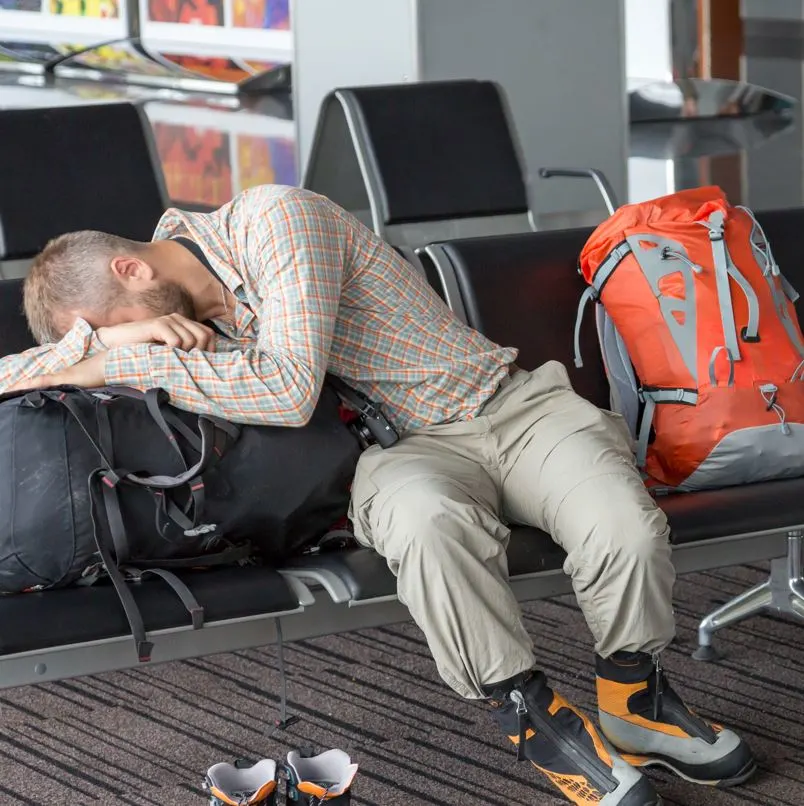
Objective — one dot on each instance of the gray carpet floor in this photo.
(146, 736)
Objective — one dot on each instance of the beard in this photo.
(165, 299)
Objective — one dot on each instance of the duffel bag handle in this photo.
(207, 430)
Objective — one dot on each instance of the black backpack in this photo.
(121, 482)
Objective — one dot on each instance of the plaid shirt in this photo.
(315, 291)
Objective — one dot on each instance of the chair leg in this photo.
(783, 592)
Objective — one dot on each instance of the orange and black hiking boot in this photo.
(649, 724)
(241, 784)
(564, 745)
(320, 780)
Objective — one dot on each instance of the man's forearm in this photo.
(48, 359)
(252, 386)
(16, 369)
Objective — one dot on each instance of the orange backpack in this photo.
(700, 340)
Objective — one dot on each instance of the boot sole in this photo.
(656, 761)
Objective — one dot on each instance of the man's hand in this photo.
(173, 331)
(86, 374)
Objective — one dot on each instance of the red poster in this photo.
(197, 12)
(196, 163)
(220, 68)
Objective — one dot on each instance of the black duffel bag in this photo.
(121, 483)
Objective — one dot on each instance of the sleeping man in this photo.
(295, 287)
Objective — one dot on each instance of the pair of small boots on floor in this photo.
(643, 722)
(311, 780)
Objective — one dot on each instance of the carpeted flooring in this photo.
(146, 736)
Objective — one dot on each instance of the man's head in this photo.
(102, 278)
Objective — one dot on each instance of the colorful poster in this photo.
(54, 22)
(209, 155)
(195, 12)
(21, 5)
(265, 161)
(37, 52)
(234, 29)
(121, 57)
(196, 163)
(272, 14)
(259, 66)
(101, 9)
(219, 68)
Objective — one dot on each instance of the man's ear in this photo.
(132, 272)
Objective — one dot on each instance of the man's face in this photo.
(161, 299)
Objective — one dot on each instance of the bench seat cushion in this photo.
(694, 517)
(75, 615)
(770, 506)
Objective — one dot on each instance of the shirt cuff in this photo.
(72, 348)
(129, 365)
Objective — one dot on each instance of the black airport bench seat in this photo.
(518, 289)
(70, 632)
(711, 529)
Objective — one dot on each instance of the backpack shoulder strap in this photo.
(624, 389)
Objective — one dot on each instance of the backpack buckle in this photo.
(716, 224)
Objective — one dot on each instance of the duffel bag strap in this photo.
(63, 398)
(103, 447)
(168, 510)
(109, 481)
(208, 443)
(111, 478)
(153, 398)
(189, 601)
(208, 431)
(231, 555)
(133, 615)
(168, 420)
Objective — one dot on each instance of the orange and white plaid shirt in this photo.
(316, 292)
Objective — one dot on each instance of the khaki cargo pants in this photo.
(435, 506)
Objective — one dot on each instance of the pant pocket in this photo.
(364, 491)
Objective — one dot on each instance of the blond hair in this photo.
(72, 273)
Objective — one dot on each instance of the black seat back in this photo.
(523, 291)
(421, 161)
(73, 168)
(14, 334)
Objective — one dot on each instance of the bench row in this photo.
(518, 289)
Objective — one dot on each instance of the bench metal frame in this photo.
(782, 592)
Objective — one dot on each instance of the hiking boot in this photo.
(644, 718)
(240, 785)
(322, 779)
(564, 745)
